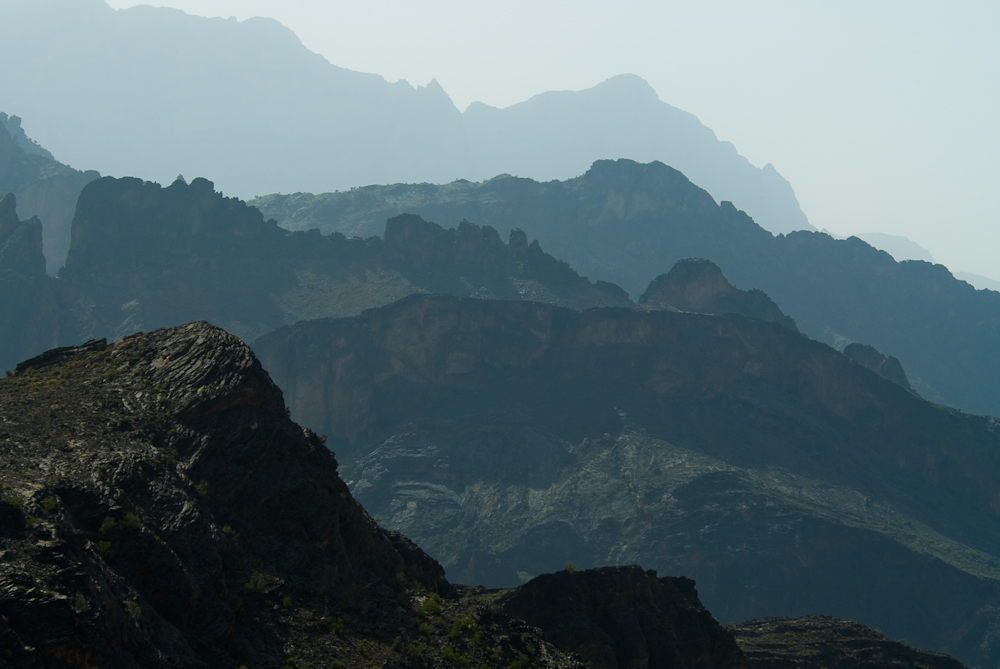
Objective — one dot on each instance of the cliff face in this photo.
(626, 223)
(697, 285)
(509, 438)
(28, 302)
(144, 257)
(44, 188)
(624, 617)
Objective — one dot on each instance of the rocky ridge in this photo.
(627, 222)
(509, 438)
(697, 285)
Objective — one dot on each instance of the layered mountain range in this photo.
(160, 92)
(160, 509)
(510, 438)
(627, 223)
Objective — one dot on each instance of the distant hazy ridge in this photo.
(152, 92)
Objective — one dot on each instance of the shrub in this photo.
(286, 602)
(48, 505)
(449, 654)
(570, 567)
(256, 584)
(426, 629)
(80, 603)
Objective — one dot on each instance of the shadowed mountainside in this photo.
(145, 257)
(627, 223)
(182, 94)
(44, 188)
(509, 438)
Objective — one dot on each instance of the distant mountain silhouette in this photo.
(980, 282)
(899, 247)
(156, 92)
(627, 223)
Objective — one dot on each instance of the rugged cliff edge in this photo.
(509, 438)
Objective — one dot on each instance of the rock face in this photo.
(44, 187)
(822, 642)
(885, 366)
(144, 257)
(509, 438)
(624, 617)
(28, 302)
(626, 223)
(697, 285)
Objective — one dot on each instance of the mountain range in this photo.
(626, 223)
(155, 92)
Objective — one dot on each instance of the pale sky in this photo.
(884, 116)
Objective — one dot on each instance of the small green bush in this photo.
(450, 655)
(48, 506)
(426, 629)
(256, 584)
(286, 602)
(570, 567)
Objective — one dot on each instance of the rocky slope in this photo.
(160, 510)
(44, 187)
(509, 438)
(886, 366)
(627, 223)
(821, 642)
(697, 285)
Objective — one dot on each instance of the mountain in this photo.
(511, 438)
(145, 256)
(159, 92)
(160, 509)
(898, 246)
(698, 285)
(980, 282)
(28, 302)
(44, 187)
(627, 223)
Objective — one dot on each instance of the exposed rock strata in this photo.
(697, 285)
(512, 437)
(624, 617)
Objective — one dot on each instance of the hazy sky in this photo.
(884, 116)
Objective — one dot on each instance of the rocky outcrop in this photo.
(509, 438)
(44, 187)
(618, 617)
(28, 302)
(697, 285)
(627, 222)
(145, 257)
(885, 366)
(155, 492)
(822, 642)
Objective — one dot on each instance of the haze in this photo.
(882, 118)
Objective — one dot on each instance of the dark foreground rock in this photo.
(160, 509)
(822, 642)
(625, 617)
